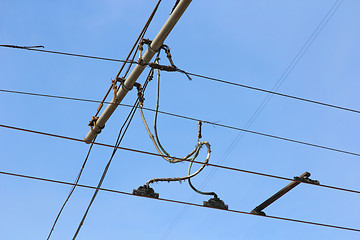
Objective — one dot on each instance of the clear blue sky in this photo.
(249, 42)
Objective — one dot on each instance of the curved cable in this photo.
(155, 139)
(197, 150)
(194, 188)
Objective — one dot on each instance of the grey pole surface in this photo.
(136, 72)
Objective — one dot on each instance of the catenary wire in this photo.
(205, 121)
(67, 54)
(179, 202)
(120, 137)
(267, 99)
(244, 86)
(72, 189)
(141, 35)
(158, 155)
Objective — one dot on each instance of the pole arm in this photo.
(279, 194)
(136, 72)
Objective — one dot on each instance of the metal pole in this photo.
(136, 72)
(279, 194)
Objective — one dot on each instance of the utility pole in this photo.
(136, 72)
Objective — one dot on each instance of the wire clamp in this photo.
(306, 180)
(92, 122)
(23, 47)
(162, 67)
(257, 211)
(145, 191)
(215, 202)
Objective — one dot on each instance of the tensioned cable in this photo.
(179, 202)
(141, 35)
(158, 155)
(143, 31)
(67, 54)
(248, 87)
(72, 189)
(272, 92)
(120, 137)
(204, 121)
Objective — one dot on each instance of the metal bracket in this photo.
(93, 120)
(215, 202)
(306, 180)
(145, 191)
(257, 212)
(297, 180)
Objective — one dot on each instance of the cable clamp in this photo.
(122, 81)
(93, 121)
(22, 47)
(257, 211)
(145, 191)
(215, 202)
(92, 124)
(199, 131)
(162, 67)
(306, 180)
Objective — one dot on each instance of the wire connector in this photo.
(93, 120)
(145, 191)
(257, 211)
(306, 180)
(215, 202)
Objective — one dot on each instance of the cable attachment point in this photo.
(163, 67)
(22, 47)
(145, 191)
(306, 180)
(199, 133)
(257, 211)
(141, 49)
(215, 202)
(140, 93)
(93, 121)
(122, 81)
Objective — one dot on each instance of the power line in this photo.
(120, 137)
(67, 54)
(272, 92)
(197, 120)
(286, 73)
(179, 202)
(213, 79)
(129, 118)
(159, 155)
(71, 191)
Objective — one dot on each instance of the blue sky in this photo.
(248, 42)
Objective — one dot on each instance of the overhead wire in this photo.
(179, 202)
(275, 93)
(120, 137)
(248, 87)
(160, 149)
(143, 31)
(158, 155)
(141, 35)
(204, 121)
(284, 76)
(72, 189)
(271, 93)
